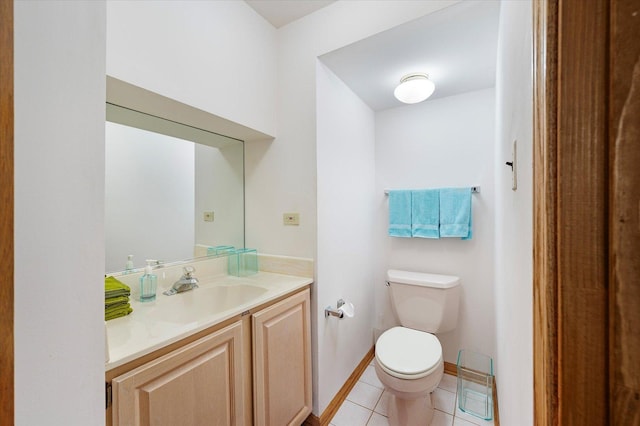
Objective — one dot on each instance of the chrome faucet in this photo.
(156, 263)
(185, 283)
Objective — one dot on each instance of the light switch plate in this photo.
(514, 169)
(291, 218)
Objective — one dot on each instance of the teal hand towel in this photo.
(455, 212)
(400, 213)
(425, 213)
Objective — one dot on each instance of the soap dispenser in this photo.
(148, 284)
(129, 266)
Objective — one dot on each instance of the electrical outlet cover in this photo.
(291, 219)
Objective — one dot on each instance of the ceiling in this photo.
(282, 12)
(456, 46)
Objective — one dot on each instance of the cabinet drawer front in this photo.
(199, 384)
(282, 362)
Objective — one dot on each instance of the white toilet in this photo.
(409, 358)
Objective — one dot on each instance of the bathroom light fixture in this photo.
(414, 88)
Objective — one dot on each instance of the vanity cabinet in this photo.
(198, 384)
(282, 362)
(253, 369)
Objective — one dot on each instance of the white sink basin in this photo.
(197, 303)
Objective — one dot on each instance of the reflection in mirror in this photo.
(172, 190)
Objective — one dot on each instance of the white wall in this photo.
(59, 212)
(281, 175)
(219, 56)
(514, 223)
(445, 142)
(346, 178)
(149, 184)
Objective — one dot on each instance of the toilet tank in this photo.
(426, 302)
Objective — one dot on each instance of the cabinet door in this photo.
(199, 384)
(282, 362)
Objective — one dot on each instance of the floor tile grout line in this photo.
(377, 387)
(374, 405)
(369, 418)
(378, 401)
(360, 405)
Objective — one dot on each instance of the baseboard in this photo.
(450, 368)
(312, 420)
(341, 396)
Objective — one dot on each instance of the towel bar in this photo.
(474, 190)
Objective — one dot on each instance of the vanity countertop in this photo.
(153, 325)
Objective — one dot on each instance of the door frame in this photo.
(6, 215)
(545, 326)
(586, 212)
(571, 212)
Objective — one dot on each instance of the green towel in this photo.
(114, 288)
(115, 301)
(117, 312)
(116, 307)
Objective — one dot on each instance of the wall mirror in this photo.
(171, 189)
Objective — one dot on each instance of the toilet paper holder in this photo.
(329, 311)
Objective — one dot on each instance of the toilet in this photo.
(408, 359)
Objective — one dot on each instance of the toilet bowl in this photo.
(409, 364)
(408, 360)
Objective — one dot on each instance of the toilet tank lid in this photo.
(421, 278)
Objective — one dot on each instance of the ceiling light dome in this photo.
(414, 88)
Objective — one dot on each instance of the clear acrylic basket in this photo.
(243, 262)
(475, 384)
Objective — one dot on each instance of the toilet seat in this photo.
(408, 354)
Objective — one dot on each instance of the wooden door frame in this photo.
(544, 214)
(586, 224)
(624, 245)
(571, 212)
(6, 215)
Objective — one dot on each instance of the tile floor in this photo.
(366, 404)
